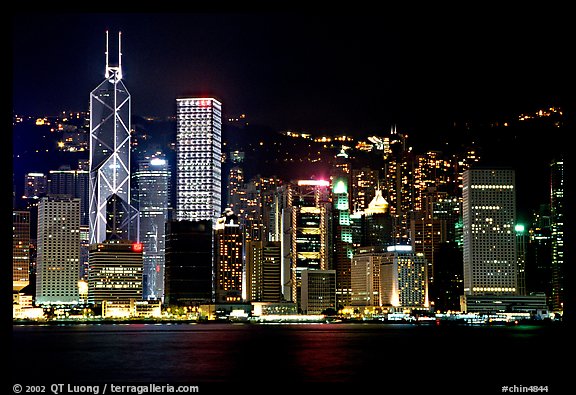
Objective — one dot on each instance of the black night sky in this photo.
(333, 71)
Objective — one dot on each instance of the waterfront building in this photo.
(58, 253)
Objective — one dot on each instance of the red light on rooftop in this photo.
(137, 247)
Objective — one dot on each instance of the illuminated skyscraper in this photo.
(111, 215)
(58, 259)
(364, 183)
(377, 222)
(254, 262)
(403, 278)
(228, 258)
(399, 185)
(539, 253)
(309, 230)
(521, 242)
(236, 190)
(20, 249)
(489, 214)
(199, 167)
(557, 228)
(153, 191)
(75, 184)
(342, 231)
(365, 276)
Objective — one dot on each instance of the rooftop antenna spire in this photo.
(119, 55)
(107, 73)
(114, 71)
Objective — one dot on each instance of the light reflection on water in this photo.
(345, 353)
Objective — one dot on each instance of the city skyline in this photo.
(400, 190)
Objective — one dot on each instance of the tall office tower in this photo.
(277, 214)
(254, 262)
(188, 276)
(539, 253)
(152, 180)
(74, 183)
(228, 256)
(309, 230)
(403, 278)
(430, 171)
(318, 291)
(58, 259)
(557, 230)
(461, 163)
(343, 246)
(111, 215)
(365, 276)
(489, 216)
(521, 242)
(199, 167)
(271, 272)
(378, 226)
(20, 249)
(115, 271)
(263, 270)
(446, 208)
(399, 183)
(429, 228)
(448, 278)
(236, 190)
(365, 181)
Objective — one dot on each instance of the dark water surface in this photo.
(366, 356)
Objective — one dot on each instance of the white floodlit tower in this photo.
(111, 215)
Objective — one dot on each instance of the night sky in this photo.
(354, 71)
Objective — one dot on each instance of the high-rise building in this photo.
(254, 269)
(58, 255)
(263, 270)
(188, 275)
(557, 229)
(448, 278)
(271, 271)
(318, 291)
(539, 253)
(403, 278)
(378, 226)
(342, 232)
(75, 184)
(228, 257)
(309, 230)
(489, 216)
(399, 184)
(365, 181)
(521, 243)
(198, 167)
(115, 271)
(152, 181)
(236, 192)
(20, 249)
(110, 212)
(365, 276)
